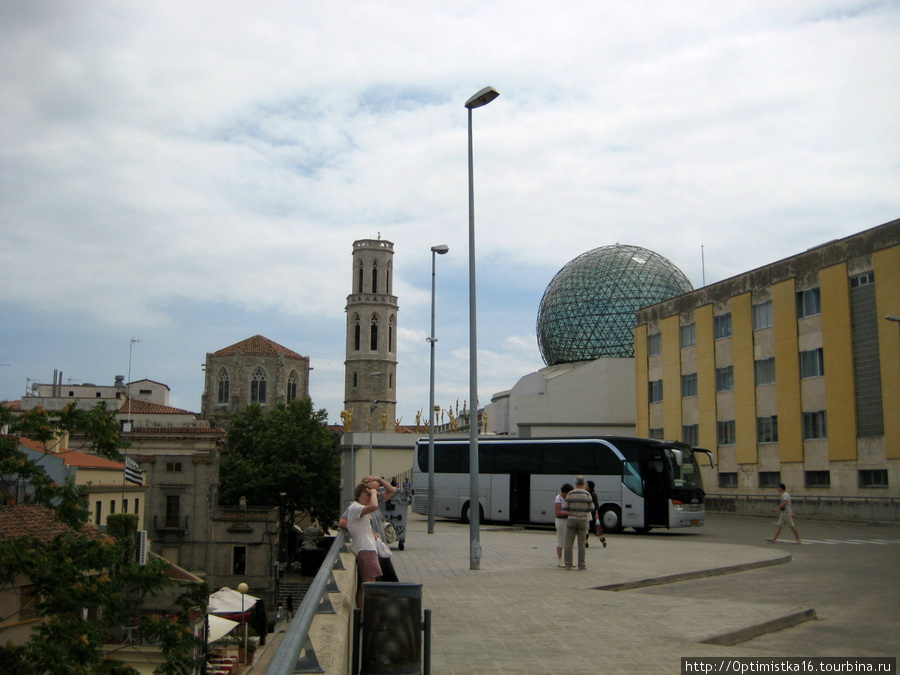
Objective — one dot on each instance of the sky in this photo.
(189, 175)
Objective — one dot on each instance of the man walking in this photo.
(580, 506)
(786, 517)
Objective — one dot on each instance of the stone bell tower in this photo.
(370, 369)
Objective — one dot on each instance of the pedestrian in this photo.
(359, 524)
(290, 607)
(579, 506)
(559, 508)
(388, 573)
(786, 517)
(593, 521)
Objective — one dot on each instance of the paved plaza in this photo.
(643, 603)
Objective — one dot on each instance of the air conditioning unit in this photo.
(141, 552)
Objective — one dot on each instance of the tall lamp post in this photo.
(242, 589)
(372, 405)
(479, 99)
(440, 249)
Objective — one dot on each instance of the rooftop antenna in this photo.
(127, 425)
(702, 264)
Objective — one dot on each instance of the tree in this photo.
(84, 583)
(289, 450)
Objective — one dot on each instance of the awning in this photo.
(228, 601)
(219, 627)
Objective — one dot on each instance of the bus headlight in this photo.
(678, 505)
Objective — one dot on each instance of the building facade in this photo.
(789, 373)
(370, 369)
(255, 370)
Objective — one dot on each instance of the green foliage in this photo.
(288, 450)
(79, 573)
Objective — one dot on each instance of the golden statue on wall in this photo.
(347, 419)
(383, 422)
(454, 422)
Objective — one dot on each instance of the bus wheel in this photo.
(611, 519)
(464, 518)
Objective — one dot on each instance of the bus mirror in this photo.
(708, 454)
(679, 456)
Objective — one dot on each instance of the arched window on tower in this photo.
(292, 386)
(359, 276)
(355, 380)
(389, 278)
(258, 386)
(357, 331)
(374, 276)
(390, 344)
(373, 337)
(390, 381)
(223, 386)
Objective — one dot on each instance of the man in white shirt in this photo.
(359, 524)
(786, 517)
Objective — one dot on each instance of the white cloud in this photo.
(198, 172)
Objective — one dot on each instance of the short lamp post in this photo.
(242, 589)
(482, 97)
(440, 249)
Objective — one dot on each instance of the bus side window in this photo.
(632, 477)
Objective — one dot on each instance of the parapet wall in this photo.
(862, 509)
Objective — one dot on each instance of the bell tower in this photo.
(370, 369)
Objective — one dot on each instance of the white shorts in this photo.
(561, 532)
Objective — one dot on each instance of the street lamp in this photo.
(481, 98)
(440, 249)
(372, 405)
(242, 589)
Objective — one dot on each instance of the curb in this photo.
(729, 638)
(700, 574)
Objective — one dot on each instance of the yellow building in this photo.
(789, 373)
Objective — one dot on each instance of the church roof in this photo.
(257, 345)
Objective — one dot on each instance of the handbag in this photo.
(383, 550)
(390, 534)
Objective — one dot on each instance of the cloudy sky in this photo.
(193, 174)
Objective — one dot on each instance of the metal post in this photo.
(435, 250)
(483, 97)
(373, 404)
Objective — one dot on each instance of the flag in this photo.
(133, 473)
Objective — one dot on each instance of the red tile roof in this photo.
(39, 522)
(76, 458)
(257, 345)
(138, 407)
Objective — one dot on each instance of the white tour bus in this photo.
(641, 483)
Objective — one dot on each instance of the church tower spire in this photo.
(370, 369)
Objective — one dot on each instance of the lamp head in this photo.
(440, 249)
(482, 97)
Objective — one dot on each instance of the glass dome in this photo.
(588, 309)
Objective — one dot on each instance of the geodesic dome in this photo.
(588, 309)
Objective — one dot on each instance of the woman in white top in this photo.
(562, 515)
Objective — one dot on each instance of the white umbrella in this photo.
(219, 627)
(229, 601)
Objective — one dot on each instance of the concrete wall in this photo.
(874, 509)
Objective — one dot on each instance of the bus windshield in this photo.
(684, 474)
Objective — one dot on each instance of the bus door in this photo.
(498, 508)
(632, 495)
(655, 493)
(520, 498)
